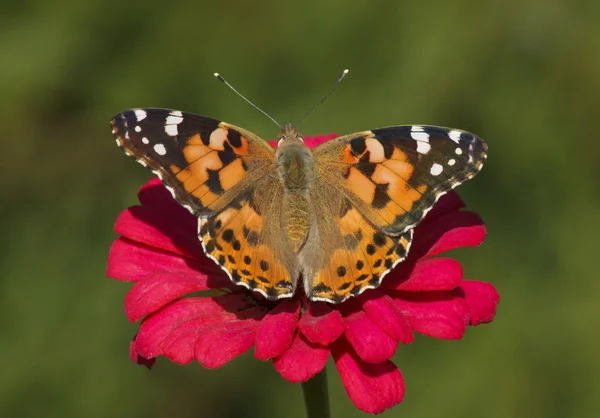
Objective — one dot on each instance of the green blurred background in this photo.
(524, 75)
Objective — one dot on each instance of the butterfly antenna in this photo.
(220, 77)
(344, 73)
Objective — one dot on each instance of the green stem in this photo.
(316, 396)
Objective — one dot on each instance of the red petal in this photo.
(450, 202)
(157, 228)
(223, 342)
(302, 361)
(276, 330)
(371, 343)
(137, 358)
(187, 313)
(437, 314)
(149, 295)
(382, 310)
(425, 275)
(130, 261)
(482, 299)
(154, 193)
(320, 324)
(312, 141)
(455, 230)
(372, 387)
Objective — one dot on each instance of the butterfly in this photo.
(334, 219)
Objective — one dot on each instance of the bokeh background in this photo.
(524, 75)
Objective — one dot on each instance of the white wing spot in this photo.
(145, 140)
(451, 162)
(160, 149)
(420, 136)
(436, 169)
(138, 128)
(171, 130)
(140, 114)
(423, 147)
(455, 136)
(417, 128)
(458, 151)
(174, 118)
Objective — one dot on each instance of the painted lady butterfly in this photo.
(340, 216)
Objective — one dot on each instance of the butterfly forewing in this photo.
(205, 163)
(395, 175)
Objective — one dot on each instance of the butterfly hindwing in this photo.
(205, 163)
(395, 175)
(247, 242)
(346, 254)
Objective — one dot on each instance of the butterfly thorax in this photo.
(295, 165)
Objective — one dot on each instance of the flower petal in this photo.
(156, 227)
(370, 342)
(130, 261)
(425, 275)
(320, 324)
(302, 361)
(437, 314)
(482, 299)
(276, 330)
(450, 202)
(382, 310)
(223, 342)
(454, 230)
(154, 193)
(372, 387)
(137, 358)
(312, 141)
(187, 313)
(149, 295)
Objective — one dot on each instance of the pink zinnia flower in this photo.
(159, 250)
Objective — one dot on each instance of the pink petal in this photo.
(130, 261)
(450, 202)
(276, 330)
(155, 227)
(382, 310)
(482, 299)
(302, 361)
(154, 193)
(223, 342)
(312, 141)
(437, 314)
(372, 387)
(199, 312)
(320, 324)
(137, 358)
(425, 275)
(455, 230)
(149, 295)
(370, 342)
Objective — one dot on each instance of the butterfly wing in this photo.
(372, 189)
(346, 254)
(204, 162)
(247, 240)
(394, 175)
(220, 173)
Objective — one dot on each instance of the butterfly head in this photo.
(289, 135)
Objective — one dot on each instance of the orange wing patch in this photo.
(365, 258)
(234, 239)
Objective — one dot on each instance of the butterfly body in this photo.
(337, 217)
